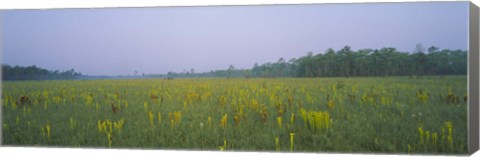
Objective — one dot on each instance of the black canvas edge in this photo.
(473, 82)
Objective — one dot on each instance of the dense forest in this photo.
(348, 63)
(342, 63)
(35, 73)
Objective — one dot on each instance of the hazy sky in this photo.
(118, 41)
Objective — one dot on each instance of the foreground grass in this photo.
(392, 115)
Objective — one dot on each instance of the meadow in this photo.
(360, 115)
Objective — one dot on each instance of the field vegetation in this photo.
(361, 114)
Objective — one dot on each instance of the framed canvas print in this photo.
(359, 78)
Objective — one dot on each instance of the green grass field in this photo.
(360, 115)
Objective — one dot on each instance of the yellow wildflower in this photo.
(292, 135)
(279, 121)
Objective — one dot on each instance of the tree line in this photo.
(346, 62)
(35, 73)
